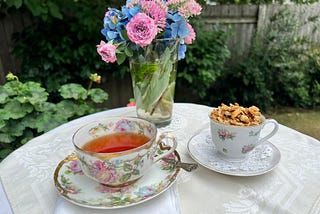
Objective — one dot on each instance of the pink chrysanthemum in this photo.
(186, 8)
(157, 10)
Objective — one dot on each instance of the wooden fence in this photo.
(244, 20)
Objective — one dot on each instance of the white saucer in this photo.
(261, 160)
(77, 188)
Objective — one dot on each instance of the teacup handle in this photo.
(275, 129)
(162, 147)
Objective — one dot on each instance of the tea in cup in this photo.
(235, 130)
(117, 151)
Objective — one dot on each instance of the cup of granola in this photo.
(235, 130)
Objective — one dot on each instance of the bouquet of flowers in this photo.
(153, 34)
(140, 22)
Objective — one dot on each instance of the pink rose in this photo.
(107, 52)
(141, 29)
(192, 36)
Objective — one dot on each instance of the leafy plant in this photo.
(279, 70)
(25, 112)
(204, 63)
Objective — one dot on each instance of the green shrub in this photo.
(25, 112)
(279, 70)
(59, 49)
(203, 62)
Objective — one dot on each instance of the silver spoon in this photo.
(186, 166)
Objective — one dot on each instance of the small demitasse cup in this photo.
(234, 143)
(117, 151)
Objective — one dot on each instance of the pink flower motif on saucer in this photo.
(247, 148)
(75, 167)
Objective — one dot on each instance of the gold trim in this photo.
(71, 157)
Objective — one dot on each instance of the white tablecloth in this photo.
(292, 187)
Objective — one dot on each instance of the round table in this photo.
(291, 187)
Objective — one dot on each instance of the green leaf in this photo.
(33, 93)
(2, 124)
(6, 138)
(67, 109)
(48, 121)
(16, 3)
(54, 10)
(36, 7)
(14, 128)
(73, 90)
(125, 35)
(98, 95)
(128, 51)
(4, 95)
(5, 152)
(14, 109)
(127, 167)
(136, 172)
(125, 177)
(120, 58)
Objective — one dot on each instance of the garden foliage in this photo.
(26, 113)
(281, 69)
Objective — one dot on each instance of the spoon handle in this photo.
(186, 166)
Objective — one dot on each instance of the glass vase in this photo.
(153, 71)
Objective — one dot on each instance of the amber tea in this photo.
(116, 142)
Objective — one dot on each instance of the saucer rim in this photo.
(73, 156)
(206, 132)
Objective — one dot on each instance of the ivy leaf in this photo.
(98, 95)
(73, 90)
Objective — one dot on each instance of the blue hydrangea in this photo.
(130, 12)
(177, 27)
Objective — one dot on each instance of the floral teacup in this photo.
(233, 143)
(127, 164)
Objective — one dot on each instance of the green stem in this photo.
(158, 102)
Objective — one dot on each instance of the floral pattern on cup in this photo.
(225, 134)
(111, 171)
(247, 148)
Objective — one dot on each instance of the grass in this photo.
(302, 120)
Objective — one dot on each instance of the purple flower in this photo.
(141, 29)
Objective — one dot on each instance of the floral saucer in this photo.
(261, 160)
(79, 189)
